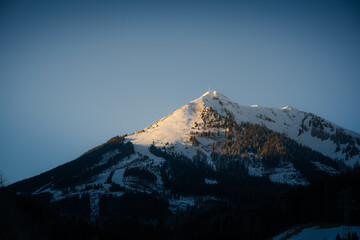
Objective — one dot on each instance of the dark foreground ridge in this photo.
(143, 216)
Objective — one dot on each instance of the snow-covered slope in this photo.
(307, 129)
(317, 232)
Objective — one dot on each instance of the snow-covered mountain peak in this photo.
(212, 94)
(288, 108)
(177, 129)
(211, 97)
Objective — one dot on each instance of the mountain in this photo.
(305, 128)
(209, 150)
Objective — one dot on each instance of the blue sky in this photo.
(75, 73)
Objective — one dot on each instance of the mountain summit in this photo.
(307, 129)
(208, 148)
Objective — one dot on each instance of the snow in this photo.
(41, 189)
(94, 206)
(57, 195)
(118, 177)
(291, 178)
(315, 233)
(286, 173)
(210, 181)
(325, 168)
(181, 204)
(144, 150)
(284, 234)
(102, 178)
(174, 129)
(255, 171)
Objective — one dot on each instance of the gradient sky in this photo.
(75, 73)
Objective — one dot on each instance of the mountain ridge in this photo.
(296, 125)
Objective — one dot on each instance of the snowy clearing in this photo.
(315, 233)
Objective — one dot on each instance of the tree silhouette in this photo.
(2, 180)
